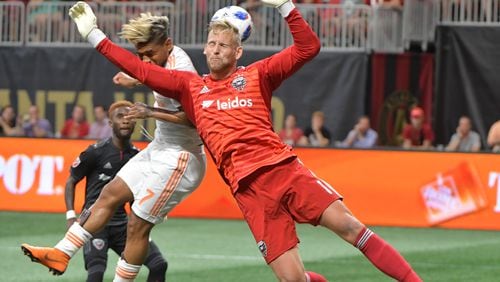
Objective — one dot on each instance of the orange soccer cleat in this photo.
(54, 259)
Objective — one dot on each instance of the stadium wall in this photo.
(56, 79)
(392, 188)
(467, 69)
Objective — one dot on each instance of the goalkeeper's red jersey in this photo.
(233, 115)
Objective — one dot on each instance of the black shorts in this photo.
(111, 237)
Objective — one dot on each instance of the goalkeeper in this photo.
(271, 186)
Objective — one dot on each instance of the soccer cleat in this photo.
(54, 259)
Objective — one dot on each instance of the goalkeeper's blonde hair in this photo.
(146, 29)
(222, 26)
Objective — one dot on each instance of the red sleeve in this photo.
(407, 132)
(64, 130)
(428, 133)
(275, 69)
(85, 130)
(169, 83)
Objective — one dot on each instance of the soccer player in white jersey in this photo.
(157, 179)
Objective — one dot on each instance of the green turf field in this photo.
(218, 250)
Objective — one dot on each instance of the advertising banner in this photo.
(392, 188)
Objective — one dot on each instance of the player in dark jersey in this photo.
(99, 163)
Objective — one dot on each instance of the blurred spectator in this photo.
(398, 4)
(316, 135)
(34, 125)
(254, 8)
(361, 136)
(100, 128)
(494, 137)
(291, 134)
(46, 19)
(76, 126)
(10, 124)
(417, 134)
(464, 140)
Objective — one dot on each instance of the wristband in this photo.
(95, 37)
(70, 214)
(285, 8)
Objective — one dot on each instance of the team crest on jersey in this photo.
(98, 243)
(239, 83)
(76, 162)
(262, 248)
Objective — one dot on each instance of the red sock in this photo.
(384, 256)
(314, 277)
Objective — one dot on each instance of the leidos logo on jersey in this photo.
(228, 104)
(206, 104)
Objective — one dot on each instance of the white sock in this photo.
(125, 272)
(308, 278)
(74, 239)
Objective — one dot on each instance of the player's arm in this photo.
(125, 80)
(143, 111)
(79, 169)
(169, 83)
(306, 46)
(69, 199)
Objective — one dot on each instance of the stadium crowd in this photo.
(417, 134)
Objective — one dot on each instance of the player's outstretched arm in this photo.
(143, 111)
(169, 83)
(306, 45)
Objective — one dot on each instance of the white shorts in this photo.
(160, 178)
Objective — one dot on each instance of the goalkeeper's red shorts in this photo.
(274, 197)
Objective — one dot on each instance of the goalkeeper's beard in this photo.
(220, 65)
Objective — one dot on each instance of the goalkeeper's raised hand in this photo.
(85, 21)
(283, 6)
(84, 18)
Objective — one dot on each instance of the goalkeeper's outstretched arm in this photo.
(306, 45)
(170, 83)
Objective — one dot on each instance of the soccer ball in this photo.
(237, 17)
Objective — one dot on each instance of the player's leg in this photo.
(136, 248)
(156, 263)
(95, 256)
(166, 179)
(289, 267)
(115, 193)
(273, 228)
(314, 201)
(340, 220)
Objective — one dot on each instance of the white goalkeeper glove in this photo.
(283, 6)
(86, 22)
(84, 18)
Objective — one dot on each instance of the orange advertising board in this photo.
(394, 188)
